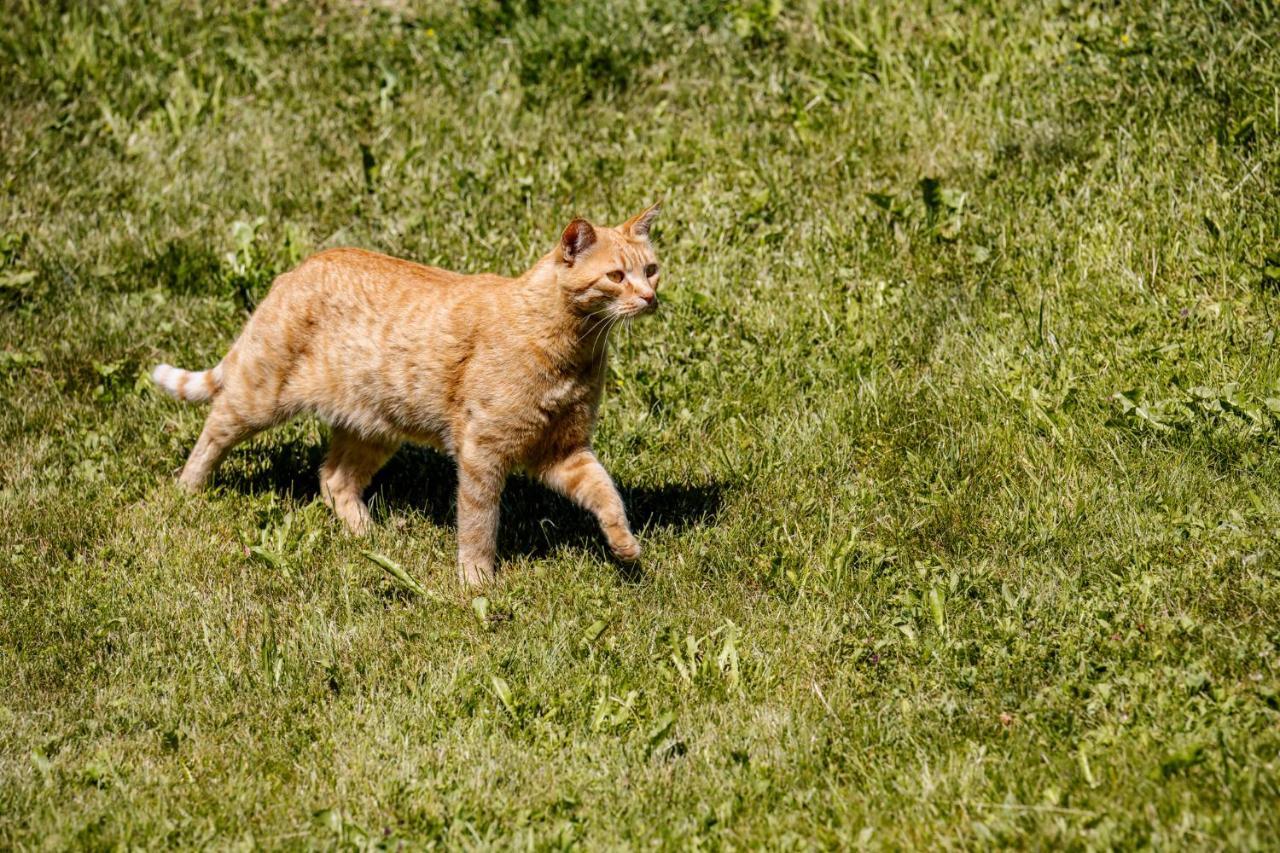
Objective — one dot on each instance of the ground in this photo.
(953, 447)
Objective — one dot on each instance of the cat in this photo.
(501, 374)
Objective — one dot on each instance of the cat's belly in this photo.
(441, 440)
(429, 429)
(386, 421)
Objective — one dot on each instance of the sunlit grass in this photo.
(953, 448)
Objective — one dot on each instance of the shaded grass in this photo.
(953, 448)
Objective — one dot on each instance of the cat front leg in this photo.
(582, 479)
(480, 482)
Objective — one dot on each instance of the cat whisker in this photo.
(595, 326)
(603, 340)
(597, 333)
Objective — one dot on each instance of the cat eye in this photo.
(650, 271)
(617, 276)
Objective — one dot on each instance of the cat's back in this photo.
(361, 266)
(351, 278)
(349, 282)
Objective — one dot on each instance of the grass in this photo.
(954, 447)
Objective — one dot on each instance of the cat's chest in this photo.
(562, 395)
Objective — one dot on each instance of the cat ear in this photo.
(577, 238)
(638, 225)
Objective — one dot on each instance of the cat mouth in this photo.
(641, 309)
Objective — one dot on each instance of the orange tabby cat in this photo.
(499, 373)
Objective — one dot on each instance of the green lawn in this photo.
(954, 448)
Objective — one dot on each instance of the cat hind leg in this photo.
(224, 428)
(347, 472)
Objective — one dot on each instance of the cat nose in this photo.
(648, 294)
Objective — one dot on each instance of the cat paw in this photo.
(189, 484)
(628, 551)
(360, 528)
(472, 574)
(357, 522)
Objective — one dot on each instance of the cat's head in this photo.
(610, 271)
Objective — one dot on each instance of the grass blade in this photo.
(400, 576)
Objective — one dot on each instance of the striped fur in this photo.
(499, 373)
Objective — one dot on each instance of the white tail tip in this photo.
(193, 387)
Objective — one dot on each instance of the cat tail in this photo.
(193, 386)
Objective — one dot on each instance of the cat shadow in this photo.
(536, 522)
